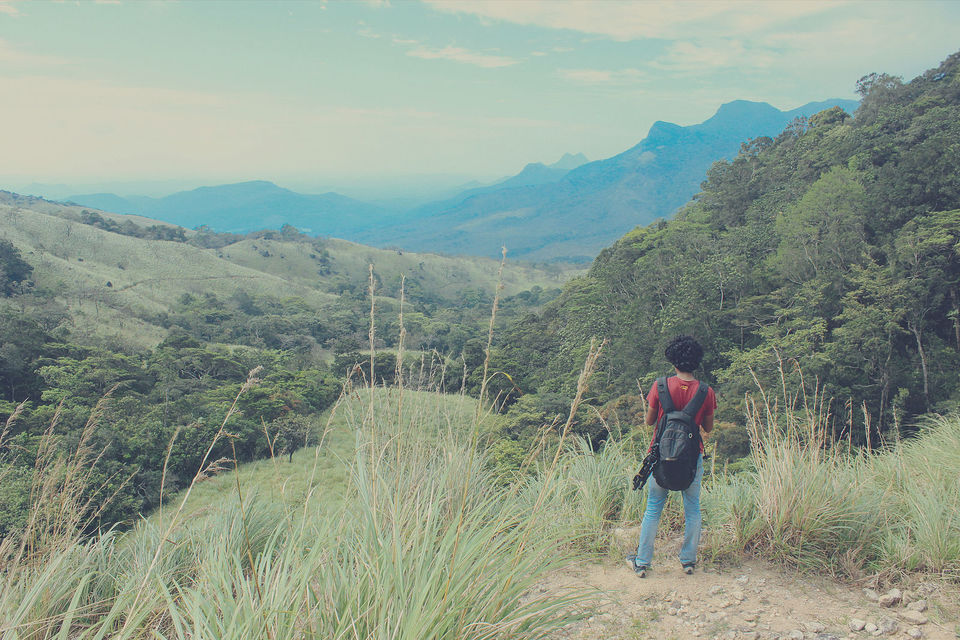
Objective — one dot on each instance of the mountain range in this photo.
(247, 206)
(573, 218)
(566, 211)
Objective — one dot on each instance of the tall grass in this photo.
(821, 506)
(421, 543)
(376, 566)
(590, 494)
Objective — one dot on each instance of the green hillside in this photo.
(825, 259)
(138, 336)
(114, 285)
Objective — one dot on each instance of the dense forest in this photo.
(827, 258)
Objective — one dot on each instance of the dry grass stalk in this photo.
(493, 319)
(398, 373)
(476, 423)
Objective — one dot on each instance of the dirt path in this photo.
(751, 601)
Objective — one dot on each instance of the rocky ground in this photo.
(751, 601)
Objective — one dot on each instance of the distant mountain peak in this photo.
(662, 133)
(570, 161)
(533, 166)
(245, 186)
(741, 108)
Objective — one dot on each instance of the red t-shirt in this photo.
(681, 392)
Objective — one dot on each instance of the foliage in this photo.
(158, 409)
(14, 270)
(833, 247)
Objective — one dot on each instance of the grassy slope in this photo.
(76, 261)
(322, 465)
(443, 276)
(427, 549)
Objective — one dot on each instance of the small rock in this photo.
(908, 597)
(890, 598)
(671, 611)
(749, 617)
(796, 634)
(749, 635)
(743, 579)
(870, 627)
(716, 589)
(871, 595)
(857, 624)
(918, 605)
(827, 636)
(915, 632)
(814, 627)
(725, 604)
(913, 617)
(739, 595)
(887, 625)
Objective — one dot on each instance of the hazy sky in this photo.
(320, 92)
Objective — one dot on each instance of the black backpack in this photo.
(678, 439)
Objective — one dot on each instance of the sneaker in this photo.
(640, 570)
(688, 568)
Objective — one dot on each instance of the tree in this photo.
(291, 434)
(928, 257)
(14, 270)
(823, 234)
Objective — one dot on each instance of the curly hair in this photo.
(684, 352)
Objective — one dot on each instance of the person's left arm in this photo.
(707, 426)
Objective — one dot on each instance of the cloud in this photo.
(9, 55)
(638, 20)
(458, 54)
(688, 56)
(366, 32)
(602, 76)
(7, 8)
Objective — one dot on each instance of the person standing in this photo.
(685, 354)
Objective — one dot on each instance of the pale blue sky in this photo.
(335, 93)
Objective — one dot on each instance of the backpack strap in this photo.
(663, 393)
(696, 401)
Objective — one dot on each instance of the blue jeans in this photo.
(656, 498)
